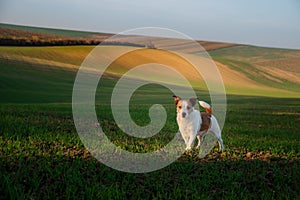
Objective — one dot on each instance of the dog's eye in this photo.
(179, 107)
(188, 107)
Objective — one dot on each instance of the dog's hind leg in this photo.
(199, 141)
(221, 146)
(220, 141)
(217, 131)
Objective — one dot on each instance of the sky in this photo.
(269, 23)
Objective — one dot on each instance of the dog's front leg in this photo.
(184, 138)
(190, 142)
(186, 141)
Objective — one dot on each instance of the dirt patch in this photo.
(290, 64)
(235, 78)
(282, 74)
(270, 77)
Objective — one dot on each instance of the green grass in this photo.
(21, 83)
(43, 157)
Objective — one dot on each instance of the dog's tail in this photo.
(206, 106)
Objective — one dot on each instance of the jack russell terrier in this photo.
(193, 123)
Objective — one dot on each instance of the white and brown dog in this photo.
(193, 123)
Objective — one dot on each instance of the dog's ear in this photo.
(193, 101)
(176, 99)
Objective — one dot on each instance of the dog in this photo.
(193, 123)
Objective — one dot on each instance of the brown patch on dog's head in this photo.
(178, 103)
(176, 99)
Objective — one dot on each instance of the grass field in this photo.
(42, 157)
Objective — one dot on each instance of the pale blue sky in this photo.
(274, 23)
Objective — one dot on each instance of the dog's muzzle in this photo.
(183, 114)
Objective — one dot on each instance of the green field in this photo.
(42, 157)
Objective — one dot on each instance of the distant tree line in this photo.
(60, 42)
(10, 37)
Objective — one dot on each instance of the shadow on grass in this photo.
(63, 177)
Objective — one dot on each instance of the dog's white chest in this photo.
(191, 125)
(186, 128)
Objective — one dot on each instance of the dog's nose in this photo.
(183, 114)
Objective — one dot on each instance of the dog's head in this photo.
(184, 107)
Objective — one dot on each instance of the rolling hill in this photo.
(46, 74)
(16, 35)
